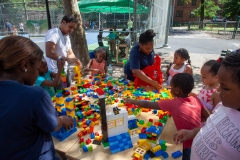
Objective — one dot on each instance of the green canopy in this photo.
(110, 6)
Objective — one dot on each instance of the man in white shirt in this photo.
(58, 44)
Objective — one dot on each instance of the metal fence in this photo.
(17, 11)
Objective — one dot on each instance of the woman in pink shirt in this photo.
(98, 65)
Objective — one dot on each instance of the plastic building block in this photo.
(152, 155)
(158, 153)
(146, 156)
(96, 142)
(92, 135)
(142, 136)
(90, 148)
(88, 141)
(62, 133)
(165, 155)
(120, 143)
(85, 149)
(152, 72)
(176, 154)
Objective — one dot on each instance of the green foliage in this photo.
(231, 9)
(210, 9)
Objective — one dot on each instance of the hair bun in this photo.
(149, 34)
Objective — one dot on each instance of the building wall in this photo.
(182, 11)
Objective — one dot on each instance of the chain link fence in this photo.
(32, 13)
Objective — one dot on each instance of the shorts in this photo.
(112, 44)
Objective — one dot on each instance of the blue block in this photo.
(146, 156)
(158, 153)
(176, 154)
(92, 135)
(165, 155)
(85, 149)
(62, 133)
(142, 136)
(88, 122)
(120, 143)
(154, 111)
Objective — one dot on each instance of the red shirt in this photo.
(186, 113)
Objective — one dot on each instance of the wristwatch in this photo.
(59, 58)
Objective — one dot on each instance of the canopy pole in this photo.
(135, 21)
(99, 23)
(128, 9)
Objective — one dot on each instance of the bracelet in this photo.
(60, 58)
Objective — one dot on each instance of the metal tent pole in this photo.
(135, 21)
(167, 26)
(48, 15)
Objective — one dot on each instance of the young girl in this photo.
(219, 138)
(98, 65)
(187, 112)
(210, 80)
(179, 66)
(45, 76)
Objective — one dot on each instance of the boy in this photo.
(187, 112)
(45, 76)
(99, 37)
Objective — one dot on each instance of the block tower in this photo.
(77, 75)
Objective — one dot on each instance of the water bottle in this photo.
(110, 70)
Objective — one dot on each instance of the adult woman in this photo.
(27, 116)
(141, 56)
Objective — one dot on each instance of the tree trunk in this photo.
(78, 37)
(201, 14)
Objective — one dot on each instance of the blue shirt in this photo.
(27, 117)
(41, 79)
(9, 26)
(137, 60)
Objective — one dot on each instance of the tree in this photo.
(78, 38)
(231, 9)
(207, 8)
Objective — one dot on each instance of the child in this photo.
(219, 138)
(15, 32)
(99, 37)
(98, 65)
(112, 41)
(179, 66)
(210, 80)
(187, 112)
(45, 76)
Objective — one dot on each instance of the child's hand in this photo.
(184, 135)
(97, 70)
(60, 63)
(67, 122)
(156, 85)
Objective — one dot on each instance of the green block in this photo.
(141, 122)
(149, 124)
(105, 144)
(149, 135)
(90, 148)
(164, 148)
(82, 144)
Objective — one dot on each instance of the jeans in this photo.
(186, 154)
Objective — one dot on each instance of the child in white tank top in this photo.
(179, 66)
(209, 78)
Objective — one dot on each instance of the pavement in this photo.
(202, 46)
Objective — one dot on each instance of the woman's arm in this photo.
(204, 114)
(140, 74)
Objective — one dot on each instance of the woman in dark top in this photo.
(141, 56)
